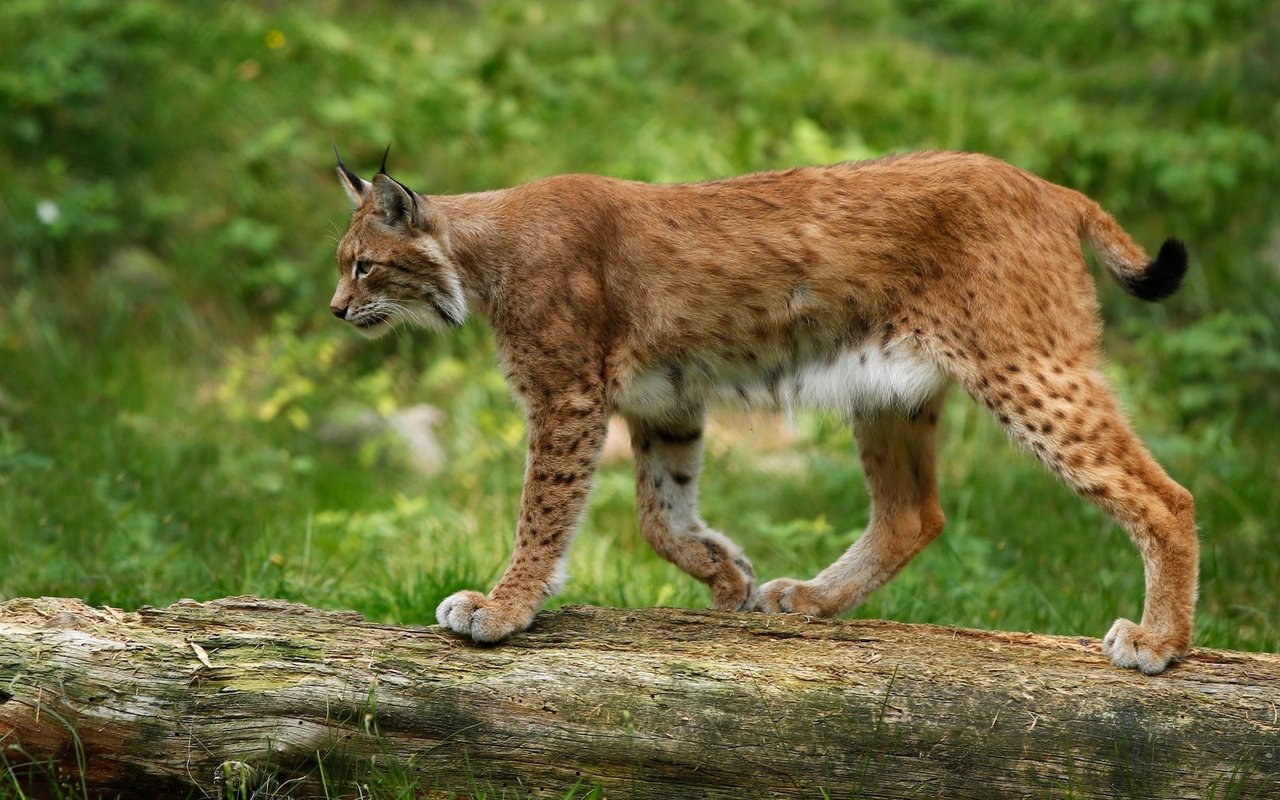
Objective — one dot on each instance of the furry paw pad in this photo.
(474, 615)
(1131, 646)
(787, 595)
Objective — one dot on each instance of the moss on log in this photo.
(217, 698)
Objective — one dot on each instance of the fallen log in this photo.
(239, 695)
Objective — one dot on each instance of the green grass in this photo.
(167, 362)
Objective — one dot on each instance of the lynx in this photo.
(861, 288)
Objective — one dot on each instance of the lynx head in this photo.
(394, 263)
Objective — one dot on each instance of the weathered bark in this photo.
(654, 703)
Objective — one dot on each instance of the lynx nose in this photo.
(339, 311)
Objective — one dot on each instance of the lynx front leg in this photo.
(564, 446)
(898, 458)
(668, 461)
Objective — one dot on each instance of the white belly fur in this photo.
(861, 380)
(870, 379)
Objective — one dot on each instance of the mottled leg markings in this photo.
(668, 461)
(564, 448)
(1070, 419)
(898, 456)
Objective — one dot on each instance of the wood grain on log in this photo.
(654, 703)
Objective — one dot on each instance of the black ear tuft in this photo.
(356, 188)
(382, 170)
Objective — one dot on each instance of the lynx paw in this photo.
(734, 588)
(475, 615)
(788, 595)
(1131, 646)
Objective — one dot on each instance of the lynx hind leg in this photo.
(668, 459)
(1070, 419)
(897, 453)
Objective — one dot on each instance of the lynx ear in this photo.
(399, 205)
(355, 187)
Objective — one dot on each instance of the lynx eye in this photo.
(362, 267)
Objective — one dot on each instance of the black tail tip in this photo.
(1163, 276)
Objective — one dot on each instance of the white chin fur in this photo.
(375, 331)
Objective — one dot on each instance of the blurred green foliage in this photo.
(169, 212)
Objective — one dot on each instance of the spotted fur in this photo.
(866, 288)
